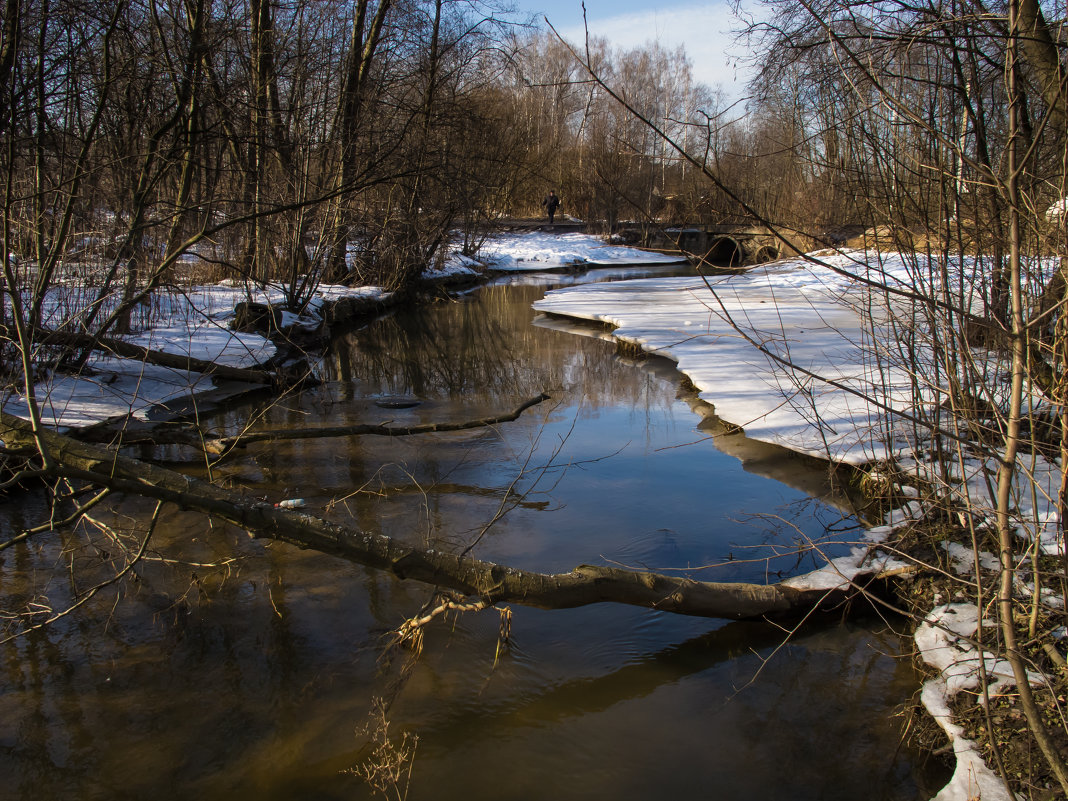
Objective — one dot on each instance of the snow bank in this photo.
(541, 250)
(841, 572)
(1056, 212)
(189, 323)
(943, 642)
(113, 387)
(794, 311)
(456, 265)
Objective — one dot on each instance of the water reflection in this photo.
(253, 678)
(690, 711)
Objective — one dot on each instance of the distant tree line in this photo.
(351, 140)
(325, 138)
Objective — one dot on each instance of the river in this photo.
(236, 670)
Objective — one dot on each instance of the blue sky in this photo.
(704, 28)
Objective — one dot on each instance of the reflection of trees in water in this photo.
(486, 349)
(739, 723)
(311, 614)
(463, 357)
(206, 664)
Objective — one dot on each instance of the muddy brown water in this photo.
(236, 670)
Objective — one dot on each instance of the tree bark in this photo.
(487, 581)
(1040, 51)
(1013, 436)
(10, 30)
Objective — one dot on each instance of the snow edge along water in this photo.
(809, 387)
(795, 310)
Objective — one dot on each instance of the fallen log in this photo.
(487, 581)
(129, 350)
(135, 433)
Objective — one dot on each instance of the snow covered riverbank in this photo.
(804, 354)
(732, 335)
(543, 250)
(196, 321)
(829, 406)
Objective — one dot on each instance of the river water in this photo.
(238, 670)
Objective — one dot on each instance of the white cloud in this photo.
(704, 30)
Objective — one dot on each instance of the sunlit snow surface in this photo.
(188, 323)
(795, 312)
(802, 354)
(543, 250)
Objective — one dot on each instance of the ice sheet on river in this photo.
(794, 311)
(804, 355)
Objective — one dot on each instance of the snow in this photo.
(456, 265)
(114, 387)
(188, 323)
(840, 572)
(793, 309)
(963, 560)
(543, 250)
(944, 643)
(733, 336)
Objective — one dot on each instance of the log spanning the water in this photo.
(487, 581)
(221, 444)
(134, 433)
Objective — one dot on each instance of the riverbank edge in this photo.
(968, 736)
(351, 312)
(969, 749)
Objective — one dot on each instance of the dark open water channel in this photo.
(253, 679)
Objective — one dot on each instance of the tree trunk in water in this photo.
(490, 582)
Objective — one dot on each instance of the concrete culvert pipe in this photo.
(725, 252)
(766, 254)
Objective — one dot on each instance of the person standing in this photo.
(551, 203)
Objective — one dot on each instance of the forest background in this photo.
(320, 141)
